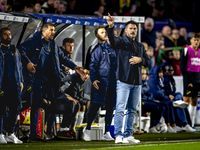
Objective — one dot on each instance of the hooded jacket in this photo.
(156, 87)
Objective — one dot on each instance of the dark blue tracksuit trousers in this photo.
(11, 100)
(157, 111)
(109, 105)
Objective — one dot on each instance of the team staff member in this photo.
(41, 59)
(103, 76)
(11, 85)
(131, 55)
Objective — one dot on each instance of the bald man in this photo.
(166, 33)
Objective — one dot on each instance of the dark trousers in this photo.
(10, 99)
(109, 105)
(36, 105)
(69, 114)
(157, 111)
(38, 89)
(181, 115)
(169, 112)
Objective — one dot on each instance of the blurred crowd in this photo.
(157, 9)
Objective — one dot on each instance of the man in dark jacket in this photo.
(131, 55)
(11, 85)
(103, 77)
(41, 59)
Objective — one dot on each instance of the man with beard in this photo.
(41, 59)
(103, 77)
(131, 55)
(68, 49)
(11, 85)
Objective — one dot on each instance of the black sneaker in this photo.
(49, 136)
(36, 138)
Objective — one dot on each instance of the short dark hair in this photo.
(2, 29)
(195, 35)
(131, 22)
(99, 27)
(68, 40)
(46, 25)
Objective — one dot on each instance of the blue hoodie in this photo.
(156, 87)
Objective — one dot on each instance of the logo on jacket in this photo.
(2, 93)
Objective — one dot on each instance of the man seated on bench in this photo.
(149, 104)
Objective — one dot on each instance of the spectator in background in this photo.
(37, 8)
(159, 42)
(100, 11)
(48, 7)
(166, 33)
(176, 62)
(145, 45)
(148, 33)
(183, 36)
(56, 4)
(62, 7)
(173, 58)
(150, 53)
(3, 5)
(28, 8)
(175, 38)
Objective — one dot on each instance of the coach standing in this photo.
(131, 56)
(41, 59)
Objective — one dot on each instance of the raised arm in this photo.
(114, 41)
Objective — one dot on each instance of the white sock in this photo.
(189, 107)
(193, 114)
(80, 117)
(75, 122)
